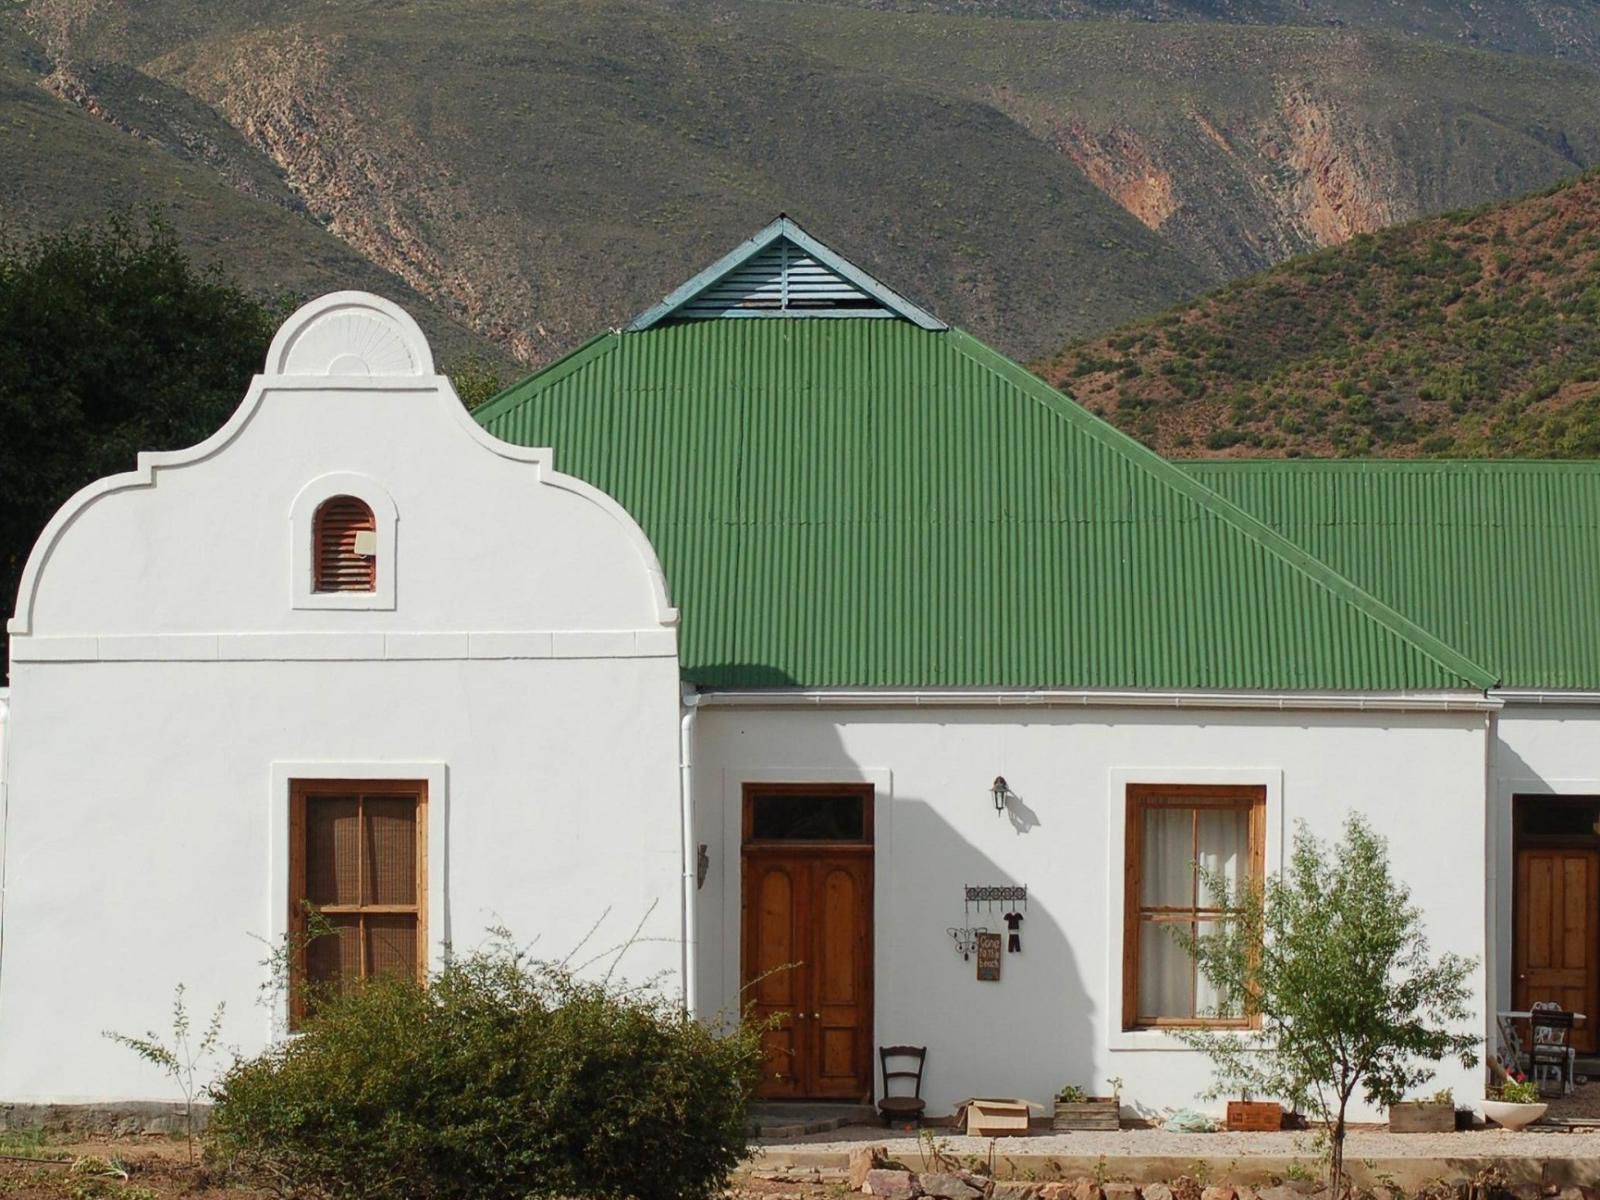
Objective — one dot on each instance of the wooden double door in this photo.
(807, 940)
(1556, 951)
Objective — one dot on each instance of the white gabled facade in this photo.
(173, 673)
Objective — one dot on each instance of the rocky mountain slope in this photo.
(1550, 28)
(1476, 333)
(68, 155)
(537, 171)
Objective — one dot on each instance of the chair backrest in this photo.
(1511, 1044)
(1552, 1025)
(917, 1053)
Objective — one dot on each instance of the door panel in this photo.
(1558, 902)
(807, 956)
(774, 922)
(841, 1015)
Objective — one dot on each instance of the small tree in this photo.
(183, 1059)
(1333, 964)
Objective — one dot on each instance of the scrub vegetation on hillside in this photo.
(1476, 333)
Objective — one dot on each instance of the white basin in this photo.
(1513, 1116)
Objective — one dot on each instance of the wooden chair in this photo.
(1512, 1056)
(1551, 1052)
(902, 1108)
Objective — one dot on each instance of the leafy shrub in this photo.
(501, 1077)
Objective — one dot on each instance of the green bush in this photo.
(501, 1077)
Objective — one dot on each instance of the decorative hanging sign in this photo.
(992, 894)
(966, 940)
(989, 957)
(1013, 922)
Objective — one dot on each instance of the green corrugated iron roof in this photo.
(868, 503)
(1500, 559)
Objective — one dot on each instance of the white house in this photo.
(952, 650)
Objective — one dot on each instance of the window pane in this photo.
(391, 944)
(391, 874)
(335, 957)
(1560, 817)
(1208, 1001)
(332, 866)
(1165, 972)
(819, 817)
(1167, 874)
(1224, 846)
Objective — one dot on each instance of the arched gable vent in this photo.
(346, 546)
(781, 279)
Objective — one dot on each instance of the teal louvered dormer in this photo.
(783, 272)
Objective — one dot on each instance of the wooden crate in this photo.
(1095, 1113)
(1254, 1116)
(1422, 1116)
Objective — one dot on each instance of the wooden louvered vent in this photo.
(346, 546)
(781, 280)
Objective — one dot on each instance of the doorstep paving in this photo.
(1149, 1155)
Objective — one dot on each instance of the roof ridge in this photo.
(1220, 506)
(552, 372)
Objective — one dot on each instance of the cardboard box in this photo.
(996, 1117)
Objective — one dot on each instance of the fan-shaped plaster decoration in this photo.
(350, 335)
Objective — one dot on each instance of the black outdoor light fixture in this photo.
(999, 789)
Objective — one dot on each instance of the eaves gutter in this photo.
(1455, 701)
(1546, 697)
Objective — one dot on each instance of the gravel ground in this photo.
(1156, 1143)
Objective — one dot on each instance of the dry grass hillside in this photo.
(1476, 333)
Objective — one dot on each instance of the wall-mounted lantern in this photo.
(999, 789)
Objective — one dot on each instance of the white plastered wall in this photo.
(168, 680)
(1054, 1018)
(1539, 749)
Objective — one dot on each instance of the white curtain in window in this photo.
(1175, 839)
(1167, 877)
(1224, 846)
(1167, 881)
(1165, 972)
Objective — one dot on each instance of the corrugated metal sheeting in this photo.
(866, 503)
(1500, 559)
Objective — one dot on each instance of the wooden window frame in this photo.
(1249, 798)
(301, 791)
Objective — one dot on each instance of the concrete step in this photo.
(799, 1118)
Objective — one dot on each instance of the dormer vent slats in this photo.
(781, 279)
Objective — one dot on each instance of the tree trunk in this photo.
(1336, 1157)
